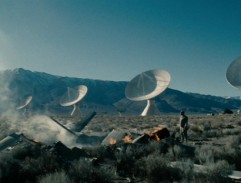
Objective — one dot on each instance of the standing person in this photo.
(183, 121)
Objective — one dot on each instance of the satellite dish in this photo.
(73, 96)
(233, 73)
(146, 86)
(25, 105)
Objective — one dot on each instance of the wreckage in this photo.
(15, 139)
(116, 136)
(112, 152)
(19, 139)
(119, 136)
(79, 126)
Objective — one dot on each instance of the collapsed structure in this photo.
(120, 136)
(15, 139)
(116, 136)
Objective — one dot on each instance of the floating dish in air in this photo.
(233, 73)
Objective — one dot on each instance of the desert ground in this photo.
(206, 129)
(213, 142)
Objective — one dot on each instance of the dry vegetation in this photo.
(216, 140)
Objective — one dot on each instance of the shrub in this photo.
(84, 171)
(104, 174)
(80, 170)
(186, 170)
(28, 151)
(218, 172)
(8, 168)
(151, 147)
(207, 126)
(238, 122)
(57, 177)
(101, 152)
(196, 129)
(234, 141)
(178, 152)
(139, 169)
(158, 171)
(126, 160)
(229, 154)
(204, 154)
(31, 168)
(214, 133)
(233, 131)
(133, 159)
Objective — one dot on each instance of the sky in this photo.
(194, 40)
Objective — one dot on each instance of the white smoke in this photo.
(39, 128)
(4, 91)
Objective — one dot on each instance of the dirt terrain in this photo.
(214, 145)
(204, 129)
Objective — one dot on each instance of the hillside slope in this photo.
(103, 96)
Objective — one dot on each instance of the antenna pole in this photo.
(72, 113)
(145, 111)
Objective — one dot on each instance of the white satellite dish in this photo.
(233, 73)
(24, 106)
(73, 96)
(25, 103)
(146, 86)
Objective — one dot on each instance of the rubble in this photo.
(15, 139)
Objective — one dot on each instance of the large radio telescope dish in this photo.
(147, 85)
(233, 73)
(25, 103)
(73, 96)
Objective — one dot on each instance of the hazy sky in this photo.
(194, 40)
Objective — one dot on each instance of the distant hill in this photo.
(103, 96)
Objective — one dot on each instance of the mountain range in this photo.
(106, 97)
